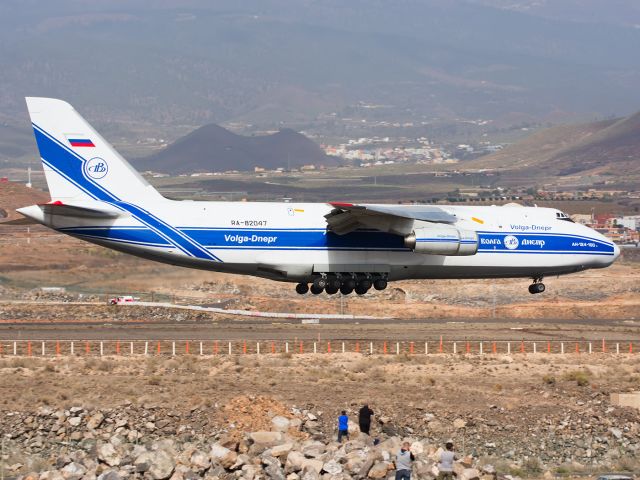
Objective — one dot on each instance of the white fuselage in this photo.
(290, 241)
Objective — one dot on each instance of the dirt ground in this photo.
(507, 403)
(329, 383)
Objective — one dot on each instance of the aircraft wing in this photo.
(398, 219)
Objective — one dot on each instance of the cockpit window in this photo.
(563, 216)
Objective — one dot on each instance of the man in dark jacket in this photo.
(364, 419)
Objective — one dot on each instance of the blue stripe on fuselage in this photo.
(308, 239)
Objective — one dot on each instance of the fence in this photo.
(53, 348)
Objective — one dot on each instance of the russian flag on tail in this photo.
(81, 142)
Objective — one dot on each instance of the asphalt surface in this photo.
(335, 329)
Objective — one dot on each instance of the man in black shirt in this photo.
(364, 419)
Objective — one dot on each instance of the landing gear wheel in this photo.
(333, 283)
(380, 284)
(331, 289)
(316, 290)
(345, 289)
(365, 284)
(536, 288)
(320, 283)
(302, 288)
(360, 290)
(348, 283)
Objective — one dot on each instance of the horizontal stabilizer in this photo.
(44, 213)
(64, 210)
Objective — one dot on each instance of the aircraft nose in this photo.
(616, 252)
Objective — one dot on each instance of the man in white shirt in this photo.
(447, 457)
(404, 462)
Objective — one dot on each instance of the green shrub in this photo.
(581, 377)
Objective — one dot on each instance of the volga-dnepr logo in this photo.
(511, 242)
(96, 168)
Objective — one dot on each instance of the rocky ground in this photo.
(193, 417)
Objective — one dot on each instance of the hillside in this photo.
(605, 147)
(212, 148)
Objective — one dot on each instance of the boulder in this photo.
(241, 460)
(162, 465)
(267, 439)
(108, 454)
(199, 461)
(309, 473)
(435, 426)
(467, 461)
(280, 423)
(73, 471)
(95, 420)
(158, 464)
(332, 467)
(313, 449)
(74, 421)
(109, 475)
(296, 462)
(417, 448)
(273, 467)
(489, 469)
(469, 474)
(249, 472)
(459, 423)
(280, 450)
(51, 475)
(379, 470)
(223, 456)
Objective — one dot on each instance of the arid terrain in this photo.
(526, 416)
(196, 416)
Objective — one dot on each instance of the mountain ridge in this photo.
(212, 148)
(604, 147)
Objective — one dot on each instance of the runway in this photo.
(335, 329)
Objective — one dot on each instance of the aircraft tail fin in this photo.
(79, 164)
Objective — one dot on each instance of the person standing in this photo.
(364, 419)
(343, 426)
(447, 457)
(404, 462)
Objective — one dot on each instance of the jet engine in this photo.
(442, 241)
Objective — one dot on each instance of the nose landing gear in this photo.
(537, 286)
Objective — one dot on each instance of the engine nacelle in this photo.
(442, 241)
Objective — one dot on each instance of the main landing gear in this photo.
(344, 283)
(537, 286)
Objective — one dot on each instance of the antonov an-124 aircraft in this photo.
(332, 247)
